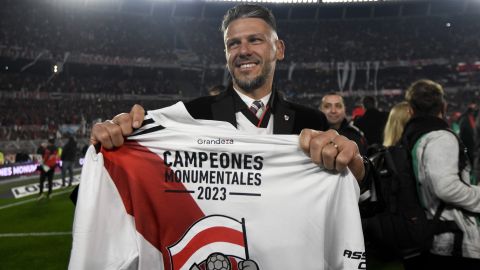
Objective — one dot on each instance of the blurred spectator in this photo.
(333, 107)
(442, 172)
(372, 123)
(467, 128)
(397, 118)
(69, 154)
(47, 168)
(358, 109)
(453, 121)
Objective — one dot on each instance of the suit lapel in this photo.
(223, 109)
(283, 116)
(283, 119)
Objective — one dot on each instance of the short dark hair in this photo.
(248, 11)
(333, 94)
(368, 102)
(425, 97)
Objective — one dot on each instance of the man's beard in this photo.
(251, 85)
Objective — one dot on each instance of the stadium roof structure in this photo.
(284, 10)
(307, 1)
(293, 1)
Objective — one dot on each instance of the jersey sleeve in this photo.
(103, 232)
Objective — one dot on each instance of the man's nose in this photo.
(245, 48)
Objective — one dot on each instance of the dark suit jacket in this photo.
(372, 124)
(288, 117)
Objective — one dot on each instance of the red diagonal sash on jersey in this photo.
(162, 218)
(166, 219)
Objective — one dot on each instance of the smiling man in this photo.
(252, 55)
(251, 103)
(333, 106)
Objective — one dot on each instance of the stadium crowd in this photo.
(59, 30)
(127, 58)
(107, 62)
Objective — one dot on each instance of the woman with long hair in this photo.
(397, 119)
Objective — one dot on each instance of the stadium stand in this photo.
(73, 65)
(66, 65)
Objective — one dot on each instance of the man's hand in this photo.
(332, 151)
(111, 133)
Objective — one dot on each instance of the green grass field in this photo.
(22, 223)
(37, 234)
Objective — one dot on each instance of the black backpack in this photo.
(393, 218)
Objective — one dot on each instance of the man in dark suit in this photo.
(252, 49)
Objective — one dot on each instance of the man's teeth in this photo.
(247, 65)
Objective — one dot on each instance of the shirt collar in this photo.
(248, 100)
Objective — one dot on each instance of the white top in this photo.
(244, 124)
(181, 189)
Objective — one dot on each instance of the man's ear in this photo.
(280, 45)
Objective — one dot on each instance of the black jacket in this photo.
(288, 117)
(355, 134)
(372, 123)
(69, 151)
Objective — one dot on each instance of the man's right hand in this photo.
(111, 133)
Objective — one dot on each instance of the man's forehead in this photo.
(247, 26)
(332, 99)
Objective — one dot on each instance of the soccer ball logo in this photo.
(218, 261)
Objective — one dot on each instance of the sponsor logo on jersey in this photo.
(356, 255)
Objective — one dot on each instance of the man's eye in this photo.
(232, 44)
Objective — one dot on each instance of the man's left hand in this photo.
(332, 151)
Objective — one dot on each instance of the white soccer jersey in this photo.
(198, 194)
